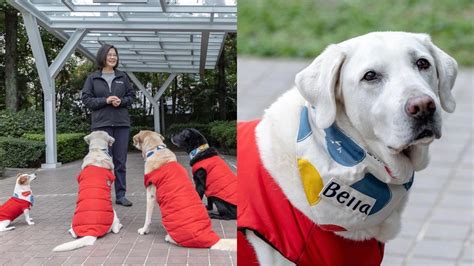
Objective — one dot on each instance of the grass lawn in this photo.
(303, 28)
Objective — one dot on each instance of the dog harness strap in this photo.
(199, 149)
(356, 190)
(158, 148)
(264, 209)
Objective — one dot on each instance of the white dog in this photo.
(339, 151)
(94, 216)
(19, 203)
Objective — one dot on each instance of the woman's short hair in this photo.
(101, 58)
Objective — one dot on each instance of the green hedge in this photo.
(218, 133)
(225, 132)
(28, 121)
(71, 146)
(2, 166)
(21, 153)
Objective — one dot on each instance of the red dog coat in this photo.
(183, 215)
(264, 209)
(94, 214)
(221, 182)
(13, 208)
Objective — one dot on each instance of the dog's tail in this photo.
(78, 243)
(227, 244)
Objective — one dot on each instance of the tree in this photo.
(12, 101)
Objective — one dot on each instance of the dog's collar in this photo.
(199, 149)
(158, 148)
(106, 151)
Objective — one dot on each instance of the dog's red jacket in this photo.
(264, 209)
(183, 215)
(94, 213)
(13, 208)
(221, 182)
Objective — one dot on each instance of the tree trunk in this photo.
(12, 101)
(221, 86)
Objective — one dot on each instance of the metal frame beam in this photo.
(155, 70)
(203, 51)
(48, 90)
(66, 52)
(153, 100)
(69, 7)
(164, 86)
(160, 26)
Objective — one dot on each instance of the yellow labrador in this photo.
(183, 214)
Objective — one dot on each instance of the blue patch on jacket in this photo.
(371, 186)
(305, 128)
(341, 148)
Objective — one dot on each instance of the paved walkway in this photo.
(55, 196)
(438, 222)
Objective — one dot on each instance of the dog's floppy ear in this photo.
(87, 138)
(137, 140)
(447, 70)
(23, 179)
(110, 140)
(317, 84)
(161, 137)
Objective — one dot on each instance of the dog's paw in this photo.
(30, 222)
(7, 228)
(143, 230)
(169, 239)
(116, 229)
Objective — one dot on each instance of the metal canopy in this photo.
(150, 35)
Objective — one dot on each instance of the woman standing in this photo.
(108, 94)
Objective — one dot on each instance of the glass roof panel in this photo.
(149, 36)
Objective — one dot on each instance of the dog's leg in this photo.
(150, 203)
(28, 219)
(226, 210)
(71, 232)
(4, 226)
(170, 240)
(210, 204)
(116, 225)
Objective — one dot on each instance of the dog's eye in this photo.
(422, 64)
(371, 75)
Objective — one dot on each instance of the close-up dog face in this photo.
(392, 87)
(99, 139)
(188, 139)
(25, 179)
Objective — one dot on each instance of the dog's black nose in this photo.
(420, 107)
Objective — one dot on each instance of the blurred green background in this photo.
(303, 28)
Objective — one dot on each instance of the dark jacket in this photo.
(94, 96)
